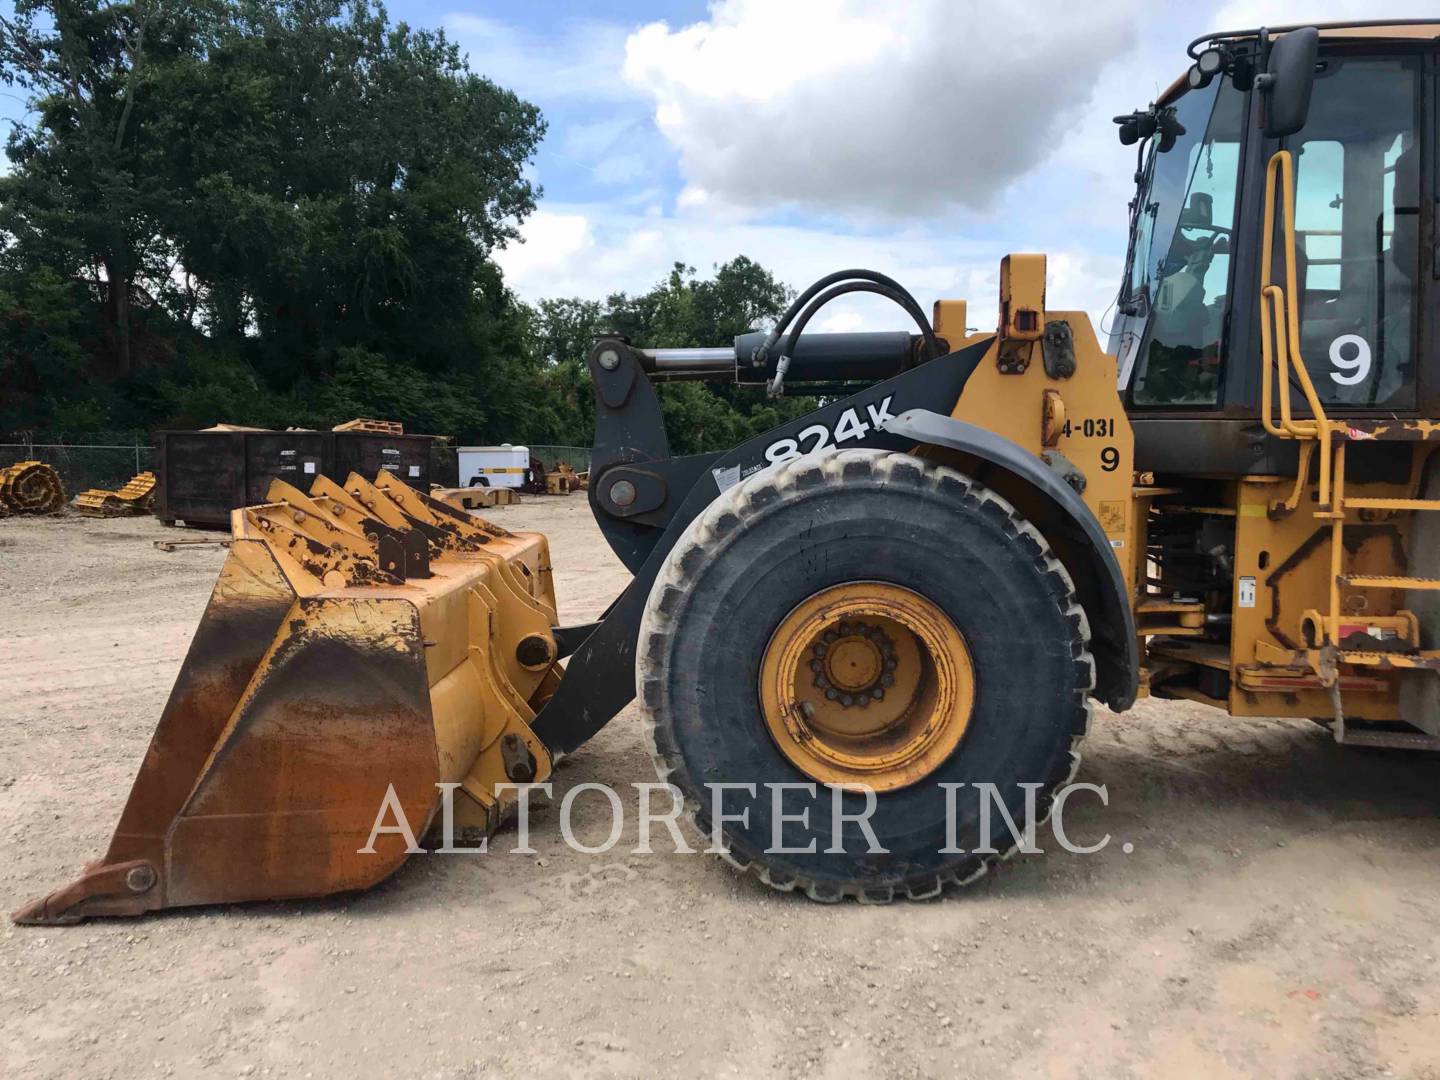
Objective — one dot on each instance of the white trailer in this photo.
(493, 466)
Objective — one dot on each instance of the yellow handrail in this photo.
(1280, 328)
(1337, 544)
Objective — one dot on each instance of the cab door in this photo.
(1361, 278)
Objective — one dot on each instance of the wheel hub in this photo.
(854, 663)
(869, 683)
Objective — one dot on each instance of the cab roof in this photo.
(1376, 30)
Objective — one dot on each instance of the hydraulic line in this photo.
(813, 299)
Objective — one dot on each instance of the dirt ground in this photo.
(1279, 914)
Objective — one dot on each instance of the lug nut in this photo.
(847, 701)
(831, 695)
(878, 694)
(887, 680)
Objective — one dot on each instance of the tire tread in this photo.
(764, 489)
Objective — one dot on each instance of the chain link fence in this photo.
(108, 459)
(102, 463)
(577, 457)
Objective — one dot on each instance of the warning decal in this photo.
(1112, 515)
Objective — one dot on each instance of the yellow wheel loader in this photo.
(923, 583)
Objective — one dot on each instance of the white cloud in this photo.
(805, 140)
(839, 322)
(553, 243)
(592, 250)
(877, 107)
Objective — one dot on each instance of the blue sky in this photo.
(924, 138)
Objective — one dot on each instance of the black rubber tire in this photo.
(779, 537)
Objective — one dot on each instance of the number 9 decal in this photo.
(1356, 368)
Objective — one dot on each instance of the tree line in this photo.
(285, 212)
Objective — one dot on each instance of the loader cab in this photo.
(1186, 326)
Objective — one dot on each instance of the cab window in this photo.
(1186, 228)
(1357, 230)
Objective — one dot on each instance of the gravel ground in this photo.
(1276, 916)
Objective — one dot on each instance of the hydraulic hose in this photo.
(805, 297)
(813, 299)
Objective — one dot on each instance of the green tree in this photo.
(558, 336)
(347, 183)
(244, 199)
(82, 200)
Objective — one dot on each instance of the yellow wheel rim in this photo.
(867, 683)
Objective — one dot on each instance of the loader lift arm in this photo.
(644, 499)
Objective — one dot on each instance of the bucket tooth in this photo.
(380, 504)
(310, 553)
(401, 549)
(323, 680)
(418, 505)
(446, 526)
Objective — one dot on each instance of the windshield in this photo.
(1180, 260)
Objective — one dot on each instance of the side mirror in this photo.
(1288, 80)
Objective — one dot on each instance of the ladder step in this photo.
(1393, 740)
(1392, 504)
(1425, 660)
(1383, 582)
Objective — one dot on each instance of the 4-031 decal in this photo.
(851, 426)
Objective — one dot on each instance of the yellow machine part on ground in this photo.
(30, 487)
(363, 643)
(476, 498)
(134, 498)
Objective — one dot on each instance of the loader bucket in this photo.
(361, 639)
